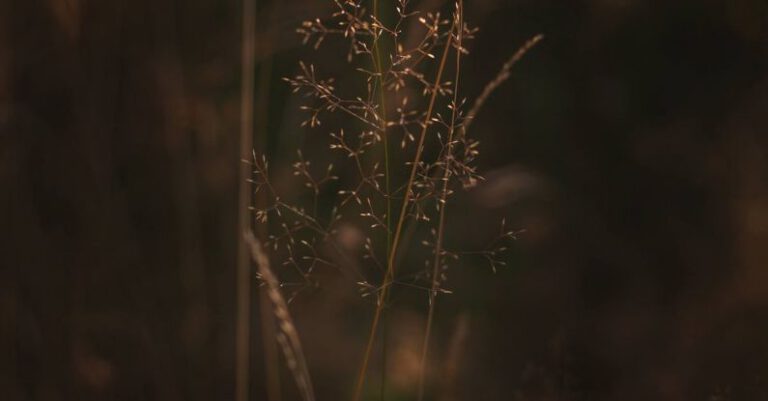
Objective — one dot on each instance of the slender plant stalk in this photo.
(400, 222)
(502, 76)
(242, 332)
(379, 69)
(442, 204)
(271, 357)
(383, 123)
(287, 336)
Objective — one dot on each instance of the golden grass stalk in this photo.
(379, 70)
(398, 230)
(500, 78)
(287, 336)
(442, 204)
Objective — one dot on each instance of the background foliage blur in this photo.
(630, 144)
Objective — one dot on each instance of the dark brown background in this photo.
(631, 144)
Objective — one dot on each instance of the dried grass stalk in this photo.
(500, 78)
(389, 192)
(287, 336)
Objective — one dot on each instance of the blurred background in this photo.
(630, 144)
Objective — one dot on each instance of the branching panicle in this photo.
(409, 93)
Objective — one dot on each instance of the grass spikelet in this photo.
(500, 78)
(287, 336)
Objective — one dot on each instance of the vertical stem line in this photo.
(243, 286)
(378, 68)
(436, 265)
(401, 220)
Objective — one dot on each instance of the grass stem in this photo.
(400, 222)
(442, 204)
